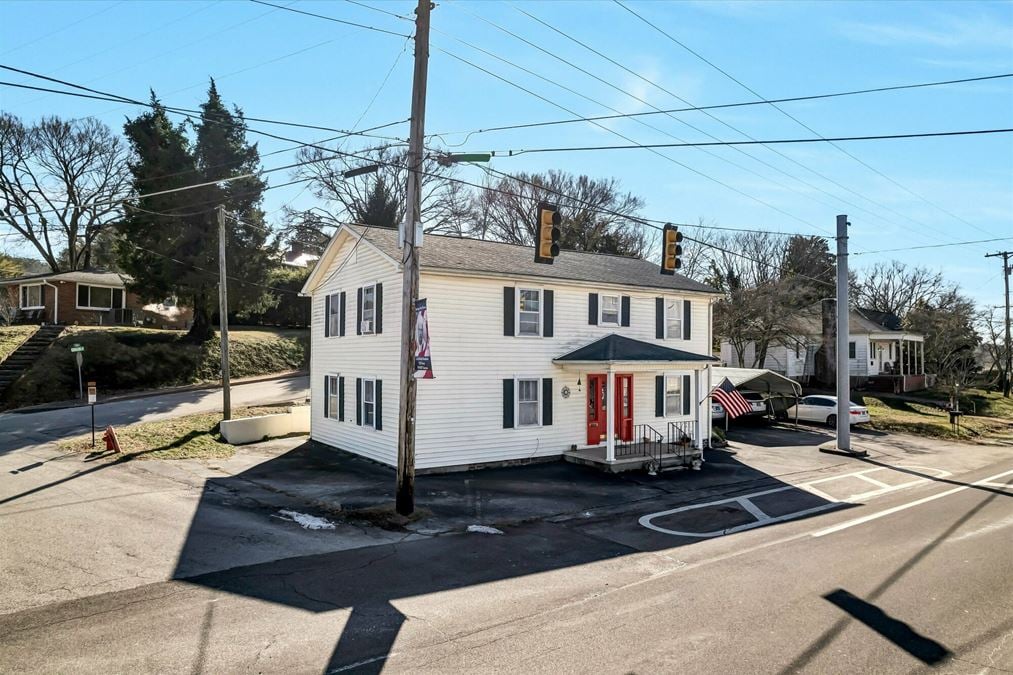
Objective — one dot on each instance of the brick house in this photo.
(88, 298)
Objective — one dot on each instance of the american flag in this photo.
(728, 396)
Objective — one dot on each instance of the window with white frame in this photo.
(333, 314)
(332, 397)
(673, 318)
(99, 297)
(609, 305)
(31, 296)
(528, 407)
(529, 312)
(369, 402)
(673, 395)
(368, 309)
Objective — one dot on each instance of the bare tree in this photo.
(597, 215)
(993, 344)
(895, 287)
(378, 198)
(61, 183)
(950, 336)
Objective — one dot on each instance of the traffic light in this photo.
(671, 255)
(547, 234)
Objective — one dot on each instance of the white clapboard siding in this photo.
(859, 366)
(357, 356)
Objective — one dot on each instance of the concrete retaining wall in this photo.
(252, 429)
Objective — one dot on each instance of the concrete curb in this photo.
(63, 405)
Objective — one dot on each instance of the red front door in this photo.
(597, 402)
(624, 407)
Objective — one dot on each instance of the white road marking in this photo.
(918, 502)
(762, 518)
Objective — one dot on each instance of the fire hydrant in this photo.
(112, 443)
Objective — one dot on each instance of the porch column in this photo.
(922, 351)
(610, 416)
(900, 355)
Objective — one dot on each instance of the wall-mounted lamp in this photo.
(578, 384)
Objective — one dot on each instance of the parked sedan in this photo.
(823, 409)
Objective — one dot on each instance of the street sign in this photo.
(92, 393)
(76, 347)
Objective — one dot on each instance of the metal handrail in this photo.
(681, 435)
(645, 439)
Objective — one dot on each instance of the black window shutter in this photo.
(592, 309)
(378, 404)
(358, 311)
(547, 313)
(327, 315)
(508, 404)
(508, 311)
(659, 395)
(341, 319)
(659, 318)
(341, 399)
(378, 310)
(624, 317)
(327, 391)
(546, 401)
(358, 399)
(687, 319)
(687, 394)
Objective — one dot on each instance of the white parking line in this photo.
(762, 518)
(918, 502)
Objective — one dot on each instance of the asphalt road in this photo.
(914, 579)
(19, 430)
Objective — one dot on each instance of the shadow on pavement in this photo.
(369, 581)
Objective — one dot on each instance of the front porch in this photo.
(649, 450)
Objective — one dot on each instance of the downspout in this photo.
(56, 302)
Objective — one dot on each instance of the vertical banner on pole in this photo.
(423, 360)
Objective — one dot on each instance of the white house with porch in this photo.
(881, 354)
(598, 358)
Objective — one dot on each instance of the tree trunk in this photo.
(201, 330)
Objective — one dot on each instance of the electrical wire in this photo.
(331, 18)
(915, 248)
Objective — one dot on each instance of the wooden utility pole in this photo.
(223, 315)
(405, 499)
(1006, 271)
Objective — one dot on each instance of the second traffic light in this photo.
(671, 255)
(547, 233)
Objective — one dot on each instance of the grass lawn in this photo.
(187, 437)
(11, 338)
(891, 413)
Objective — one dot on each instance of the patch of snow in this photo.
(484, 529)
(307, 521)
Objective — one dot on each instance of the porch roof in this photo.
(619, 349)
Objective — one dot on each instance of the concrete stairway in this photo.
(28, 353)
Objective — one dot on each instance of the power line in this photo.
(854, 92)
(382, 11)
(779, 141)
(331, 18)
(956, 243)
(798, 121)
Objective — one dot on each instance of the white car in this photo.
(756, 402)
(823, 409)
(717, 411)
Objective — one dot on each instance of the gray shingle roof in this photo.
(97, 277)
(621, 348)
(476, 255)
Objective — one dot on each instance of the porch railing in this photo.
(646, 441)
(681, 438)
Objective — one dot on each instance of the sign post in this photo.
(78, 351)
(92, 397)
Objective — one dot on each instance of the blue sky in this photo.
(281, 65)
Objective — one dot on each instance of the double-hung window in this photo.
(528, 405)
(332, 397)
(368, 310)
(673, 318)
(529, 312)
(31, 296)
(609, 305)
(369, 402)
(333, 314)
(851, 350)
(673, 395)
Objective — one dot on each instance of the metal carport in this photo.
(761, 380)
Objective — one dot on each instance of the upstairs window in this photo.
(529, 312)
(368, 310)
(609, 309)
(333, 314)
(673, 318)
(31, 297)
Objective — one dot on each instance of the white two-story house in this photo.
(598, 357)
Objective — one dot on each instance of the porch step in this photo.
(15, 365)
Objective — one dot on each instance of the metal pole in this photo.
(223, 316)
(843, 330)
(93, 425)
(1007, 269)
(405, 495)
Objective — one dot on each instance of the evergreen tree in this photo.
(170, 242)
(381, 207)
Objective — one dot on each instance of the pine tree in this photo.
(169, 243)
